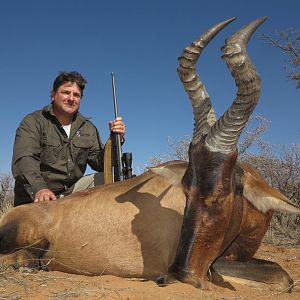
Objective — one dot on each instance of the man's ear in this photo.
(52, 95)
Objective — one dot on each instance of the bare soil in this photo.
(57, 285)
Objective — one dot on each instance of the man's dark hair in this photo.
(73, 76)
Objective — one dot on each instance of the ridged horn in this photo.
(204, 115)
(225, 133)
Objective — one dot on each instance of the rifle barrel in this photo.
(113, 82)
(118, 169)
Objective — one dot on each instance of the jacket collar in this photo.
(78, 118)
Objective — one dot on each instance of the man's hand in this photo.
(44, 195)
(117, 126)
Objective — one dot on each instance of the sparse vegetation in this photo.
(288, 42)
(6, 192)
(279, 165)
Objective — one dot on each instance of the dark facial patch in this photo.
(209, 172)
(209, 184)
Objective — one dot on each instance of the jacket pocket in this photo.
(51, 152)
(81, 150)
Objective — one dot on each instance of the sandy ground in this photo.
(57, 285)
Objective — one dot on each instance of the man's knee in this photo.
(88, 181)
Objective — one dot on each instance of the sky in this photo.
(140, 42)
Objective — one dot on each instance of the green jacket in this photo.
(44, 156)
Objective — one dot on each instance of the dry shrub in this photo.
(251, 135)
(279, 165)
(6, 193)
(178, 150)
(288, 42)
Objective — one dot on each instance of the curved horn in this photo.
(224, 135)
(204, 115)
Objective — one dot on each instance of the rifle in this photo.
(122, 163)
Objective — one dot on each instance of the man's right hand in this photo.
(44, 195)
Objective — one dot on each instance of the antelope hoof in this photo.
(170, 278)
(166, 279)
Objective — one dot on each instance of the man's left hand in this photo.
(117, 126)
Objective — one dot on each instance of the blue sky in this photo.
(140, 42)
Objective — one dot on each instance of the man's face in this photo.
(66, 99)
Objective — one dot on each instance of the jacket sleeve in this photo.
(26, 155)
(96, 152)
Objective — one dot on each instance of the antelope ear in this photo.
(265, 198)
(173, 171)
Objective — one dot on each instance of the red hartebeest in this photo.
(213, 210)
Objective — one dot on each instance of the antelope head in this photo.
(210, 181)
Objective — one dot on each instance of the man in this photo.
(54, 145)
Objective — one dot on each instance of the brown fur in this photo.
(128, 229)
(107, 222)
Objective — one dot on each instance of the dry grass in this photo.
(59, 286)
